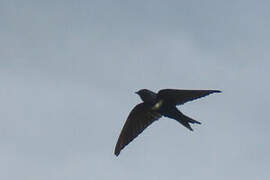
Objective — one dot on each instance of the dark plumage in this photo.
(155, 106)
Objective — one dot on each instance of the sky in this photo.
(69, 70)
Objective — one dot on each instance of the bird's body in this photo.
(154, 106)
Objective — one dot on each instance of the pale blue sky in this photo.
(69, 70)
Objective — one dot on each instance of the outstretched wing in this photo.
(139, 118)
(179, 96)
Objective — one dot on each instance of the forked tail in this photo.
(181, 118)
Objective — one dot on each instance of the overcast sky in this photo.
(69, 70)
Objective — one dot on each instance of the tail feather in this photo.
(186, 124)
(190, 120)
(181, 118)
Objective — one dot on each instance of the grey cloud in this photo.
(69, 70)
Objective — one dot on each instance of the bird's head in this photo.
(147, 95)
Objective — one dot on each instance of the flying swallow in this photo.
(153, 107)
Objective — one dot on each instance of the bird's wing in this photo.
(179, 96)
(139, 118)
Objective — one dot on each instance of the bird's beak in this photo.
(136, 92)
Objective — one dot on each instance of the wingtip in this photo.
(116, 153)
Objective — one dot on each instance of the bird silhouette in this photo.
(153, 107)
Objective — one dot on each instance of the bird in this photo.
(154, 106)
